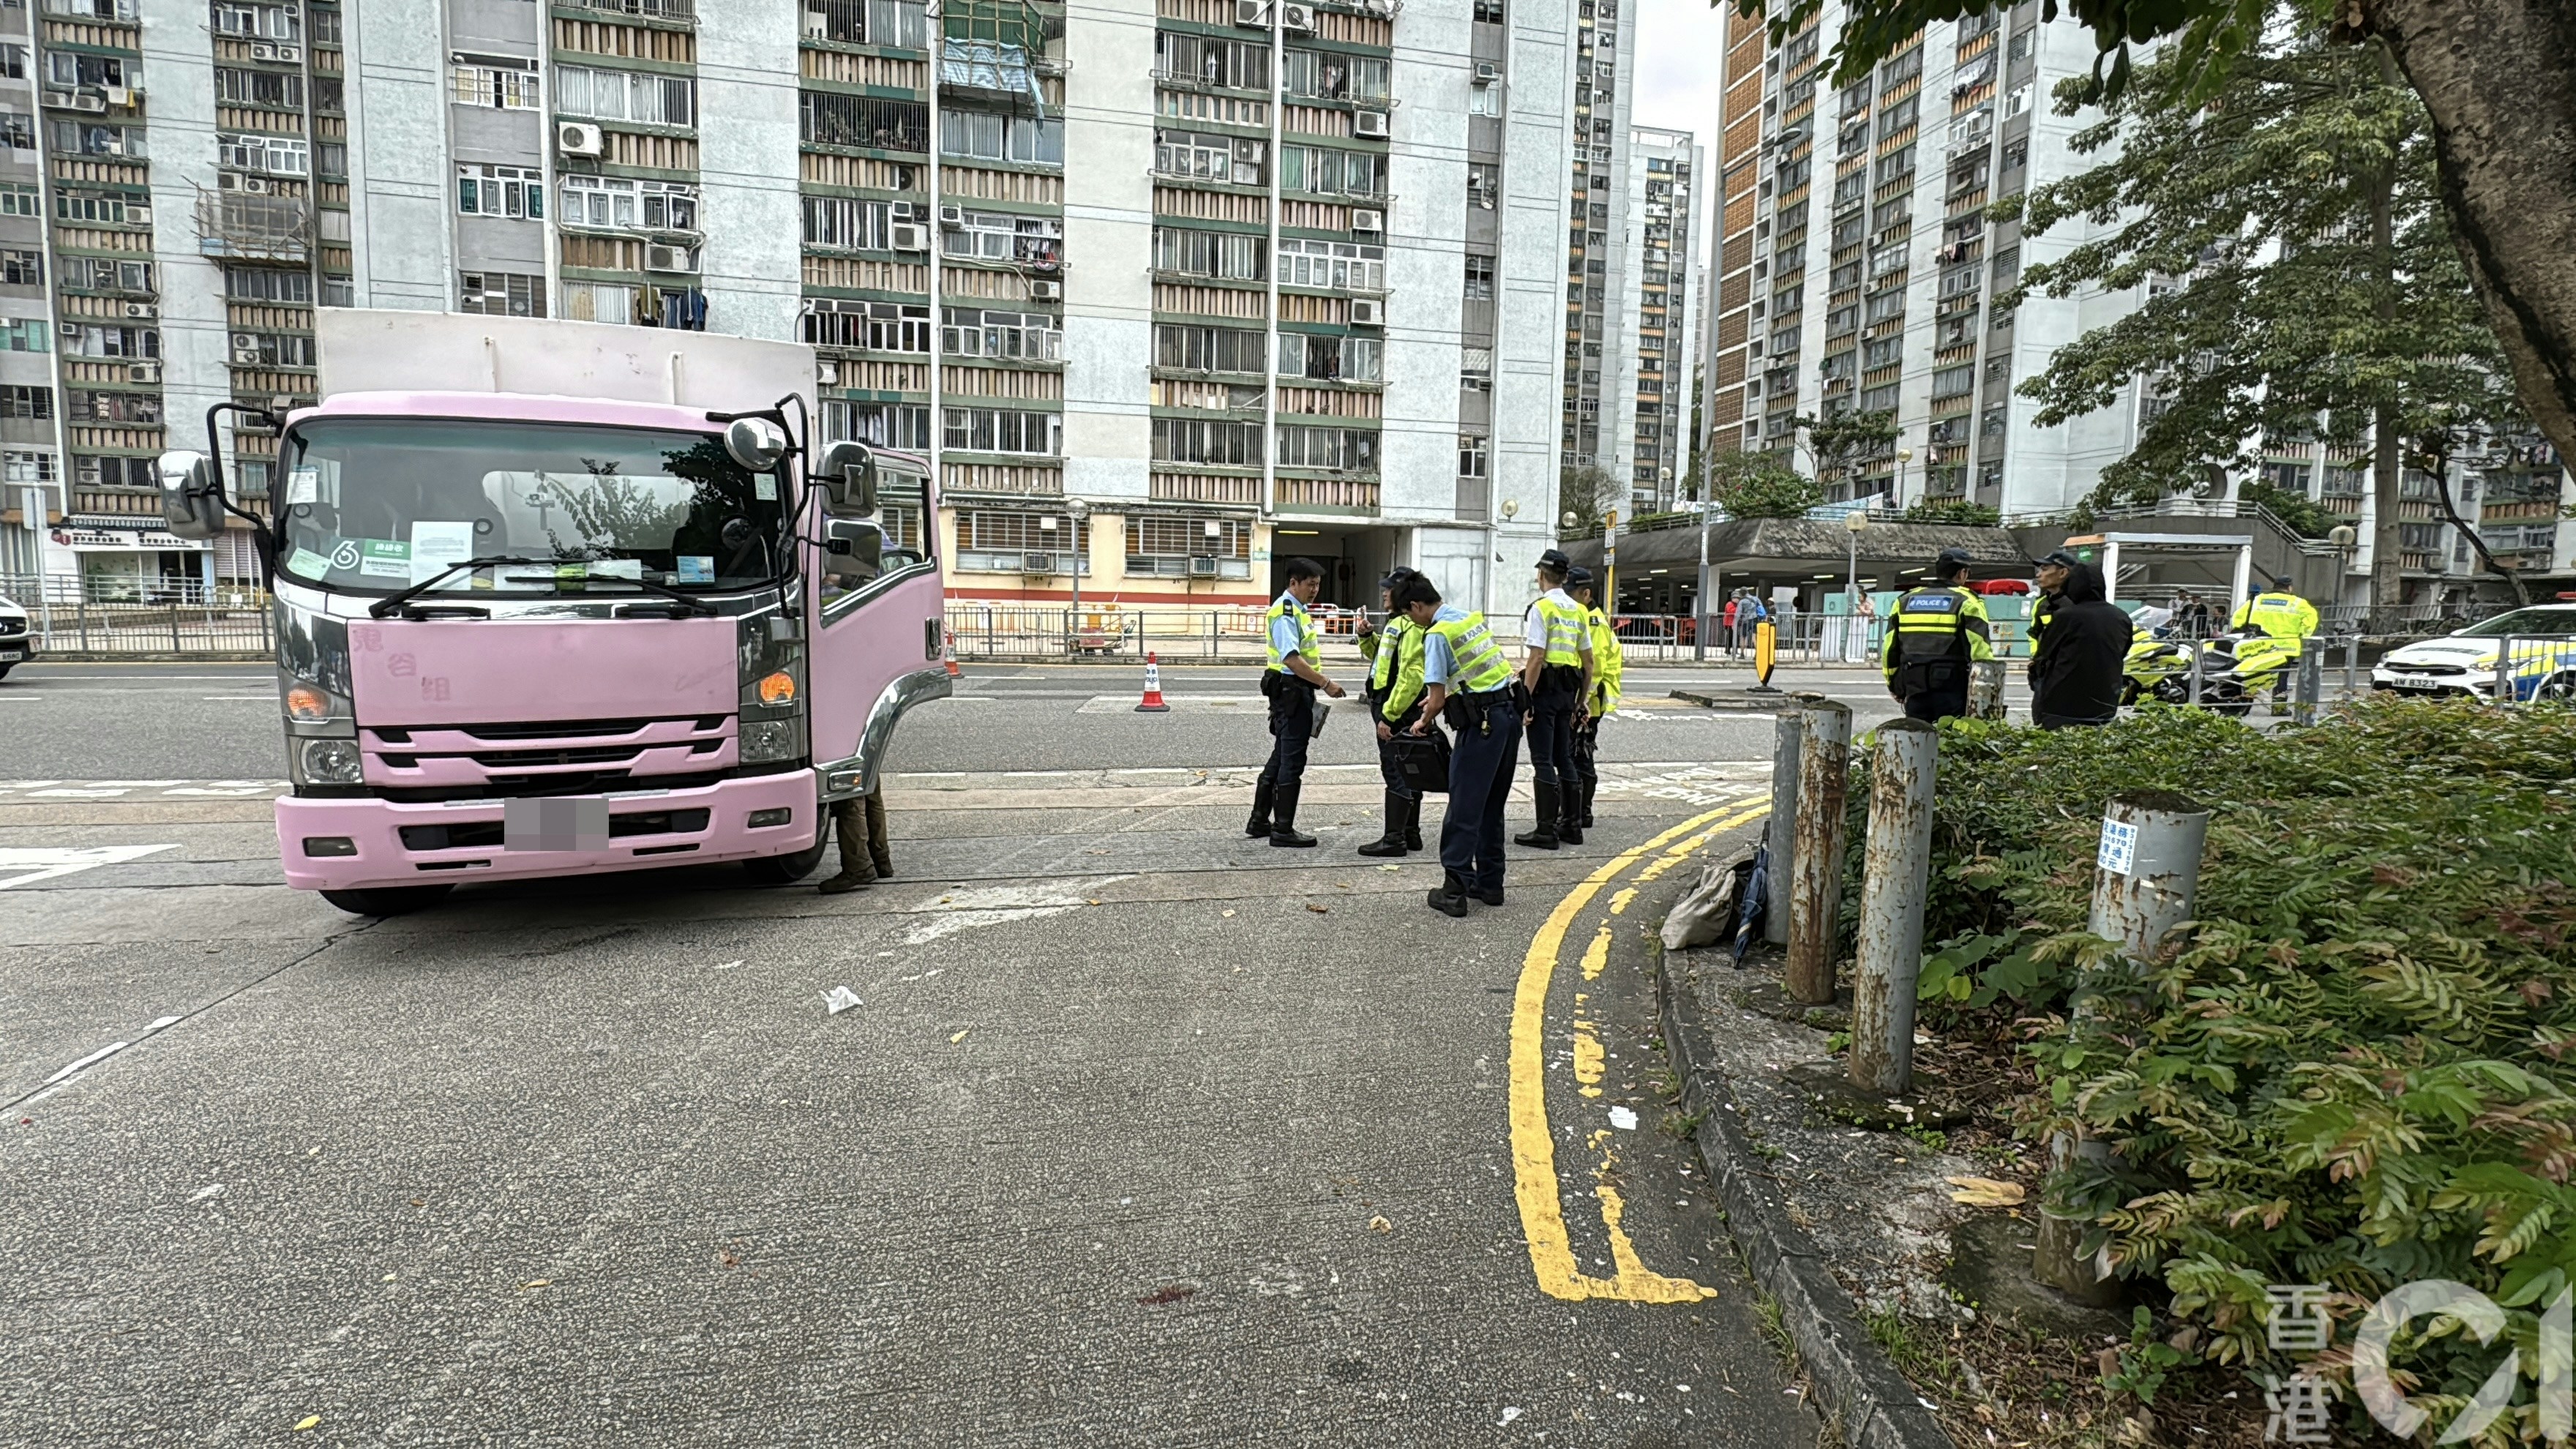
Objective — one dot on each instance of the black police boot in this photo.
(1588, 787)
(1490, 895)
(1283, 819)
(1413, 823)
(1569, 828)
(1264, 798)
(1451, 898)
(1544, 837)
(1391, 843)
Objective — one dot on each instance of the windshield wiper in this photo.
(692, 602)
(390, 604)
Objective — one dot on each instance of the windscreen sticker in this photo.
(617, 568)
(344, 555)
(303, 485)
(765, 488)
(306, 562)
(527, 578)
(384, 558)
(434, 546)
(571, 575)
(697, 568)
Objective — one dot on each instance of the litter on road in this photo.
(840, 999)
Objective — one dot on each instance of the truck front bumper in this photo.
(365, 843)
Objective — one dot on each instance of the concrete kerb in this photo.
(1854, 1380)
(134, 656)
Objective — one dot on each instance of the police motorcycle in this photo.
(2236, 670)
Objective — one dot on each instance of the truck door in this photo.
(879, 621)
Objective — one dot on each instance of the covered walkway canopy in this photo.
(1659, 568)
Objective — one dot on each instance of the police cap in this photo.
(1395, 578)
(1555, 561)
(1578, 577)
(1950, 561)
(2281, 582)
(2057, 558)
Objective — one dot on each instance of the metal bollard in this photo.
(1816, 880)
(2197, 653)
(2351, 664)
(2146, 871)
(2311, 687)
(2504, 691)
(1896, 871)
(1986, 689)
(1780, 833)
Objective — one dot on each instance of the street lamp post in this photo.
(1903, 457)
(1076, 511)
(1855, 523)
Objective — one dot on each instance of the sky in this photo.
(1679, 43)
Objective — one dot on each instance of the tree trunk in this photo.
(2499, 80)
(2387, 460)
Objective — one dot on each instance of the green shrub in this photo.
(2355, 1068)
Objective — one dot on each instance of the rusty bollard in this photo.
(1816, 867)
(1896, 869)
(2146, 870)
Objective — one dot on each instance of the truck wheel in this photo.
(780, 870)
(387, 900)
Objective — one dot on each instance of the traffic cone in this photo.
(948, 653)
(1153, 688)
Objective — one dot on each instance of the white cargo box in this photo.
(388, 351)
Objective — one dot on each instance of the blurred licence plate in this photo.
(12, 656)
(2414, 681)
(556, 824)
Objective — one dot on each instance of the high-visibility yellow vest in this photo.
(1476, 662)
(1395, 666)
(1565, 631)
(1937, 621)
(2283, 616)
(1309, 643)
(1607, 661)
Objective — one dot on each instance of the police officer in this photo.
(1557, 673)
(2277, 612)
(1467, 682)
(1936, 633)
(1602, 698)
(1290, 681)
(2052, 582)
(1394, 699)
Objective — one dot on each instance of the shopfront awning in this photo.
(117, 540)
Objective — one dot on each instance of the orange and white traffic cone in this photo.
(948, 653)
(1153, 688)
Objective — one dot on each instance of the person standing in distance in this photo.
(2076, 680)
(2277, 612)
(2052, 580)
(1294, 674)
(1937, 631)
(1558, 675)
(1467, 681)
(1394, 697)
(1599, 700)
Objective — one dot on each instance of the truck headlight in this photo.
(331, 762)
(767, 741)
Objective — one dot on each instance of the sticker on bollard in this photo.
(2119, 847)
(554, 824)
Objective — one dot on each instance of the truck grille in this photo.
(573, 757)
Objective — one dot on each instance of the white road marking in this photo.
(966, 910)
(228, 698)
(46, 863)
(62, 1079)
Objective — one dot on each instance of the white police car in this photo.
(17, 643)
(2543, 664)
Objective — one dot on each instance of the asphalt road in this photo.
(1141, 1133)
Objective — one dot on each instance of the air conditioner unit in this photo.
(816, 24)
(140, 309)
(1368, 221)
(827, 372)
(1046, 291)
(1369, 124)
(262, 50)
(1299, 17)
(1203, 567)
(291, 54)
(119, 96)
(952, 218)
(1255, 13)
(579, 138)
(900, 211)
(89, 103)
(138, 216)
(1365, 313)
(1487, 72)
(1039, 563)
(143, 372)
(911, 238)
(659, 258)
(256, 186)
(246, 354)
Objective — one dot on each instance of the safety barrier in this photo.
(83, 626)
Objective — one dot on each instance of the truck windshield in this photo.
(378, 504)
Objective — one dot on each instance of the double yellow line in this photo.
(1534, 1179)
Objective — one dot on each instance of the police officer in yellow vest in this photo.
(1936, 632)
(1290, 682)
(1557, 673)
(1604, 695)
(1394, 699)
(2277, 612)
(1467, 681)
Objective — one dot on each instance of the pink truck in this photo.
(555, 598)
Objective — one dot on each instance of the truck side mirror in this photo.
(192, 495)
(755, 443)
(860, 541)
(848, 473)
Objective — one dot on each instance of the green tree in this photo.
(2497, 80)
(1839, 441)
(1758, 485)
(1953, 510)
(2289, 231)
(1586, 493)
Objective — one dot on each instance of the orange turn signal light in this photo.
(778, 688)
(306, 703)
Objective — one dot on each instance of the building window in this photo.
(114, 473)
(267, 284)
(29, 467)
(19, 199)
(280, 90)
(502, 294)
(1012, 336)
(251, 22)
(1191, 155)
(1169, 547)
(1000, 541)
(1230, 256)
(266, 155)
(22, 268)
(82, 138)
(503, 83)
(1208, 61)
(1489, 12)
(1334, 76)
(883, 425)
(1484, 185)
(1220, 444)
(627, 204)
(102, 208)
(627, 95)
(1000, 430)
(1332, 264)
(597, 301)
(272, 349)
(1208, 349)
(984, 136)
(998, 236)
(511, 191)
(832, 223)
(1896, 165)
(1474, 461)
(1331, 359)
(874, 326)
(33, 334)
(838, 120)
(1480, 278)
(20, 401)
(116, 407)
(1326, 172)
(1346, 450)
